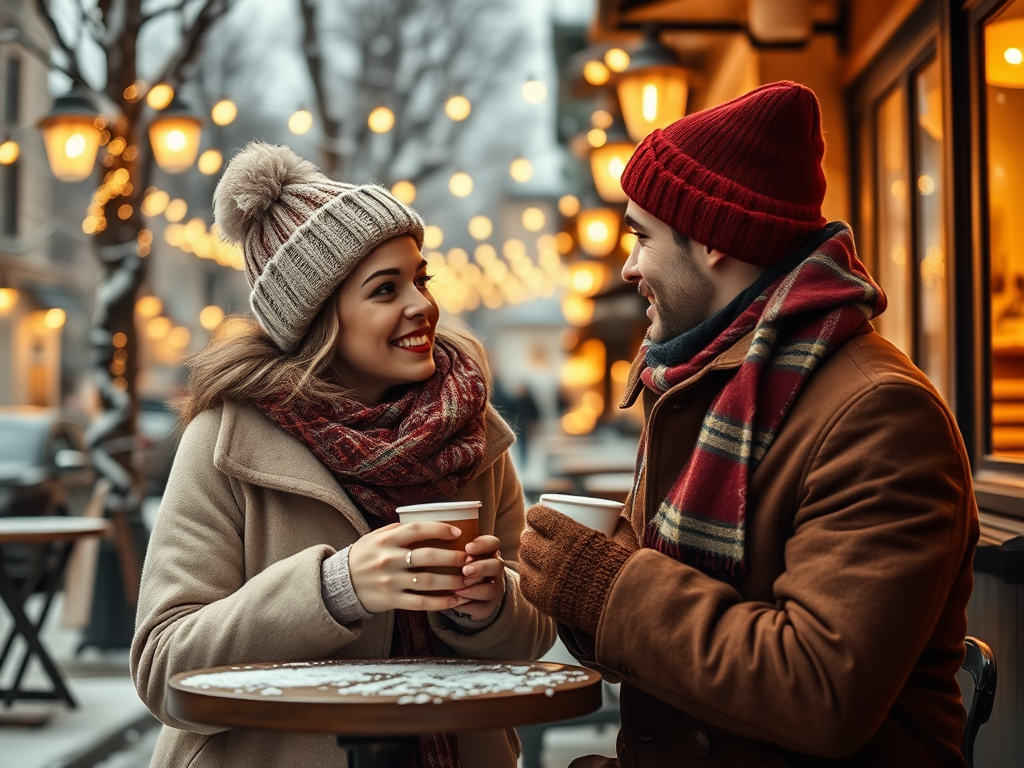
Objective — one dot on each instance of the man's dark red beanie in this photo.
(744, 177)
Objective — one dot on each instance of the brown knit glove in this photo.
(567, 569)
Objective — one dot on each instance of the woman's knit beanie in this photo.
(744, 177)
(301, 233)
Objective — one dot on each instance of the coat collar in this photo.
(253, 449)
(731, 358)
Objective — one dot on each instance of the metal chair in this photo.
(981, 663)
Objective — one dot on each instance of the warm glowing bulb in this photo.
(75, 145)
(480, 227)
(210, 317)
(176, 210)
(596, 137)
(381, 120)
(404, 192)
(534, 219)
(596, 73)
(210, 162)
(176, 140)
(461, 184)
(160, 96)
(300, 122)
(433, 236)
(458, 108)
(149, 306)
(616, 59)
(55, 318)
(9, 152)
(568, 205)
(650, 102)
(224, 112)
(534, 91)
(521, 170)
(1013, 56)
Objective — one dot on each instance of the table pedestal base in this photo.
(378, 751)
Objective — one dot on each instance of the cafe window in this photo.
(1002, 116)
(900, 222)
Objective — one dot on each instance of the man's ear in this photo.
(713, 255)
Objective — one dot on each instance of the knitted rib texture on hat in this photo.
(744, 177)
(301, 233)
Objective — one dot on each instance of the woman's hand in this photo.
(381, 572)
(485, 578)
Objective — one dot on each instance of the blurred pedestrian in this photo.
(790, 580)
(277, 538)
(519, 408)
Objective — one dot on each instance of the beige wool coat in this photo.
(232, 575)
(838, 643)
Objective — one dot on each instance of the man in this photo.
(789, 582)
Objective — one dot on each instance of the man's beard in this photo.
(682, 306)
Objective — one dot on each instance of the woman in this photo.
(277, 538)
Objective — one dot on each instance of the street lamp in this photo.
(608, 161)
(71, 136)
(174, 135)
(653, 88)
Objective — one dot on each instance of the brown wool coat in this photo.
(232, 575)
(838, 644)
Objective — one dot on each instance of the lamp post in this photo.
(653, 88)
(71, 136)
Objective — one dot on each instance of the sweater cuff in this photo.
(337, 591)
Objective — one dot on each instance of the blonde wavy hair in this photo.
(240, 362)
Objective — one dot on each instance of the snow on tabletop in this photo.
(410, 682)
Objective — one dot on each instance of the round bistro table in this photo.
(51, 539)
(378, 708)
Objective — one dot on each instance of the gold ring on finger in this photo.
(408, 558)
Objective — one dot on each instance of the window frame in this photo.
(917, 44)
(999, 481)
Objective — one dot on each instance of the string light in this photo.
(521, 170)
(596, 73)
(461, 184)
(457, 108)
(404, 192)
(210, 162)
(300, 122)
(480, 227)
(534, 91)
(9, 152)
(381, 120)
(224, 112)
(159, 96)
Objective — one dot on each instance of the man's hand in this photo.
(567, 569)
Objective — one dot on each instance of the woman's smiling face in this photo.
(387, 318)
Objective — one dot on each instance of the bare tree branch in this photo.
(178, 7)
(192, 37)
(72, 68)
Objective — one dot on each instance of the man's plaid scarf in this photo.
(423, 447)
(797, 321)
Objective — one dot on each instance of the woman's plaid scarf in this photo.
(420, 448)
(797, 321)
(423, 447)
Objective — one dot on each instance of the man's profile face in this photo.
(669, 273)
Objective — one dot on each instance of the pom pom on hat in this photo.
(252, 182)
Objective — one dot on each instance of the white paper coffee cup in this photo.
(600, 514)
